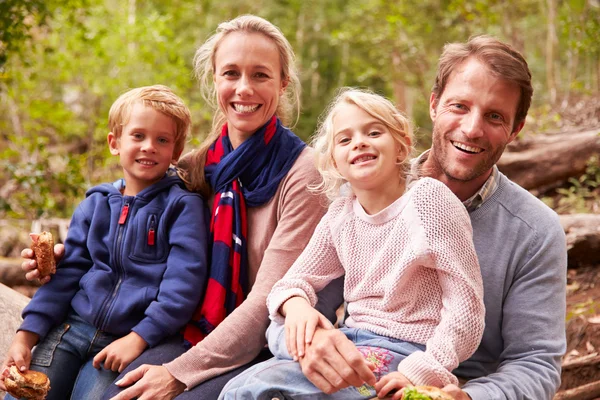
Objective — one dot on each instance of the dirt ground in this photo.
(583, 325)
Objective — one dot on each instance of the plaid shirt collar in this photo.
(473, 202)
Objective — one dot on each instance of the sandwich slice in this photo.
(31, 385)
(425, 393)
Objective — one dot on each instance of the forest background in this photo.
(63, 63)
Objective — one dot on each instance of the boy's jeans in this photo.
(66, 356)
(283, 378)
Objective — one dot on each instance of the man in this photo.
(478, 105)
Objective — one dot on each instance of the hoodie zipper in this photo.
(103, 315)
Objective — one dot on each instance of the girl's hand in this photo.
(390, 382)
(301, 320)
(120, 353)
(29, 265)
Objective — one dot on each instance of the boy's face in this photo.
(146, 147)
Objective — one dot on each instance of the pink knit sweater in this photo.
(411, 273)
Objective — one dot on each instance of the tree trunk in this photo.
(550, 46)
(545, 161)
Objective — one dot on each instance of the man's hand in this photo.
(29, 265)
(456, 392)
(301, 320)
(392, 381)
(120, 353)
(332, 362)
(150, 382)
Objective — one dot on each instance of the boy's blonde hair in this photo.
(288, 109)
(376, 106)
(159, 97)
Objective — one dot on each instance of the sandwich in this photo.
(43, 247)
(425, 393)
(31, 385)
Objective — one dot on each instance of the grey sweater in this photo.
(522, 253)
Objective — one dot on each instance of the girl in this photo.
(412, 283)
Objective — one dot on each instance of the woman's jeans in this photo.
(66, 356)
(283, 378)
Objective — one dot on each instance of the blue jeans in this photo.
(66, 356)
(283, 378)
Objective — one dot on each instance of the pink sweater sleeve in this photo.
(447, 226)
(312, 271)
(241, 336)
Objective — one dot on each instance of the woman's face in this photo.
(248, 82)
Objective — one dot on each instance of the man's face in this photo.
(472, 124)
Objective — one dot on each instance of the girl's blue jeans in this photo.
(282, 378)
(66, 356)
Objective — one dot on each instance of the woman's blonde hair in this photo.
(376, 106)
(288, 109)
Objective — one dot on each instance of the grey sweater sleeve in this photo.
(529, 319)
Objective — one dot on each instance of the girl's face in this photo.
(248, 82)
(365, 152)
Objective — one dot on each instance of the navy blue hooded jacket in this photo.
(132, 263)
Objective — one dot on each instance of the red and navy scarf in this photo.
(245, 177)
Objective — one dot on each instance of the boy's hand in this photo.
(120, 353)
(301, 320)
(18, 354)
(29, 265)
(392, 381)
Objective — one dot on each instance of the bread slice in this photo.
(43, 247)
(29, 384)
(432, 392)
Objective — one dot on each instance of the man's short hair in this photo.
(501, 59)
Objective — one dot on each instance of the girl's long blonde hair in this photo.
(379, 108)
(191, 167)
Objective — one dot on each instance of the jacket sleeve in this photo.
(183, 282)
(533, 324)
(241, 336)
(51, 302)
(451, 252)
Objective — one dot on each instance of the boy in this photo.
(135, 260)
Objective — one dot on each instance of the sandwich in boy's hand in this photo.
(29, 384)
(43, 247)
(425, 393)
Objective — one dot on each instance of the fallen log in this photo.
(585, 392)
(583, 239)
(546, 161)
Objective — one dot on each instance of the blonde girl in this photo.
(412, 283)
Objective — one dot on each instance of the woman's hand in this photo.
(29, 265)
(120, 353)
(150, 382)
(301, 320)
(390, 382)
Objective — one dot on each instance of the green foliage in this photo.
(63, 63)
(582, 191)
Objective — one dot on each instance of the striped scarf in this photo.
(245, 177)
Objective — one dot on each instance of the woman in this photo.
(250, 163)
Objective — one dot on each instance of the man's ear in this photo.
(516, 131)
(113, 144)
(432, 107)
